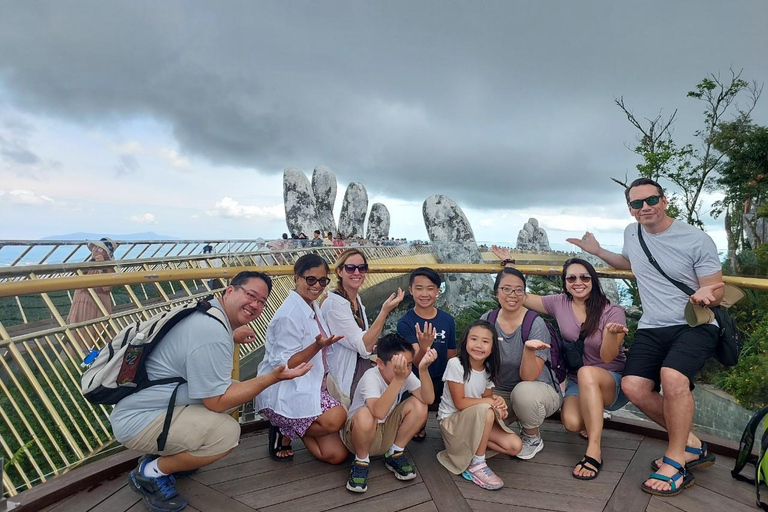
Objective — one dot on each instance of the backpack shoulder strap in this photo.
(493, 315)
(528, 319)
(681, 286)
(204, 306)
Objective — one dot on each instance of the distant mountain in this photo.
(147, 235)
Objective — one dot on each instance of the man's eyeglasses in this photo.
(508, 290)
(584, 278)
(350, 269)
(254, 298)
(312, 280)
(651, 200)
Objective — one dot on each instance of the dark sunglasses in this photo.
(651, 200)
(312, 280)
(350, 269)
(584, 278)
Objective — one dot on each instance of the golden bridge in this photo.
(49, 434)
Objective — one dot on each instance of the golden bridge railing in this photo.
(46, 427)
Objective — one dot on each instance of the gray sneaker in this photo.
(531, 446)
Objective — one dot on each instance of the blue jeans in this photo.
(619, 401)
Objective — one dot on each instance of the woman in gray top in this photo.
(524, 383)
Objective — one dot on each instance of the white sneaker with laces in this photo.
(531, 446)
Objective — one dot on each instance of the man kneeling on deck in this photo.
(200, 350)
(379, 423)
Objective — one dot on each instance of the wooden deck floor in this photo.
(249, 480)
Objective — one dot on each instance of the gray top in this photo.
(198, 349)
(512, 346)
(685, 253)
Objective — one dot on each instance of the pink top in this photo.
(559, 307)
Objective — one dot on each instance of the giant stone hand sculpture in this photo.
(310, 207)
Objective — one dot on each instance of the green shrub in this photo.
(748, 380)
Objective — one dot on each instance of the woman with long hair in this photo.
(584, 313)
(344, 312)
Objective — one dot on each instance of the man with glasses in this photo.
(200, 350)
(666, 352)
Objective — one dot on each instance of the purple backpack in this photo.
(557, 365)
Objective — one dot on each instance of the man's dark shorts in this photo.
(679, 347)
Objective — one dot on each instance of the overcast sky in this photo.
(179, 117)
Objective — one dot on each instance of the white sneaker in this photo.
(531, 446)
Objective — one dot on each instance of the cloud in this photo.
(144, 218)
(231, 209)
(174, 158)
(26, 197)
(126, 164)
(16, 152)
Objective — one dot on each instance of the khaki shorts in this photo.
(385, 432)
(194, 430)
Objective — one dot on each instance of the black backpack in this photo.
(760, 461)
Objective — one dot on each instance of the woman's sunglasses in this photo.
(584, 278)
(312, 280)
(350, 269)
(651, 200)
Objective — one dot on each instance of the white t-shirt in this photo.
(373, 385)
(474, 387)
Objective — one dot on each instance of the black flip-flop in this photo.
(419, 438)
(277, 443)
(596, 467)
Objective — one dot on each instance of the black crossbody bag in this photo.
(729, 338)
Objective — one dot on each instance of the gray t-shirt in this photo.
(198, 349)
(512, 346)
(685, 253)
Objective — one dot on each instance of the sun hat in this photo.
(106, 244)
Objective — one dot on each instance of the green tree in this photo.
(743, 178)
(691, 170)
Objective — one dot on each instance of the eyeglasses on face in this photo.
(584, 278)
(312, 280)
(651, 200)
(508, 290)
(253, 297)
(350, 269)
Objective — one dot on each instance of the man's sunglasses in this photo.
(584, 278)
(651, 200)
(350, 269)
(312, 280)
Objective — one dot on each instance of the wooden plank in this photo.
(65, 485)
(427, 506)
(298, 486)
(533, 499)
(600, 488)
(514, 468)
(339, 495)
(206, 499)
(657, 505)
(439, 480)
(308, 469)
(605, 442)
(718, 479)
(487, 506)
(696, 499)
(85, 500)
(628, 490)
(394, 501)
(243, 470)
(122, 500)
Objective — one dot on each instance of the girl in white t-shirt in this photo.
(470, 416)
